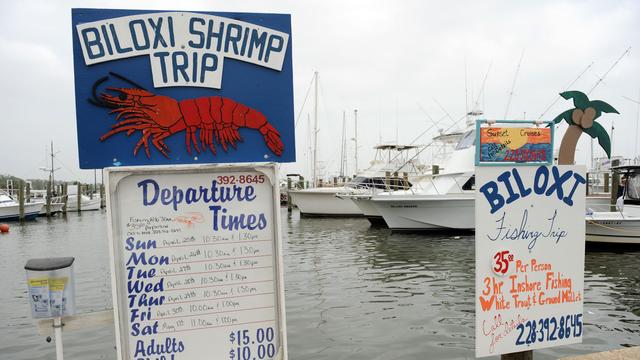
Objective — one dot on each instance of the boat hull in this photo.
(369, 211)
(613, 228)
(323, 202)
(427, 212)
(87, 204)
(12, 212)
(54, 209)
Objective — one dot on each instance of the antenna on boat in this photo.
(466, 92)
(513, 85)
(600, 81)
(558, 97)
(635, 148)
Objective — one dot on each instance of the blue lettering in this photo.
(213, 67)
(163, 63)
(116, 42)
(105, 36)
(523, 191)
(579, 180)
(271, 47)
(180, 65)
(558, 181)
(144, 45)
(257, 42)
(236, 222)
(198, 33)
(537, 188)
(212, 34)
(490, 191)
(234, 32)
(157, 35)
(90, 44)
(145, 191)
(141, 258)
(504, 178)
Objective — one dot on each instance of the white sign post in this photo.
(530, 238)
(196, 262)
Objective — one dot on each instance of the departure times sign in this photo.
(196, 259)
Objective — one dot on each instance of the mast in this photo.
(343, 158)
(53, 183)
(315, 130)
(355, 138)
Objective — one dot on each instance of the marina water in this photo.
(352, 292)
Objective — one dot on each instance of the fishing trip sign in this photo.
(530, 238)
(222, 81)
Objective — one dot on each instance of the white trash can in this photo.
(51, 287)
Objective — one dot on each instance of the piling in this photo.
(435, 169)
(301, 183)
(65, 198)
(28, 193)
(48, 206)
(396, 181)
(319, 182)
(405, 181)
(21, 199)
(289, 207)
(588, 184)
(102, 199)
(79, 197)
(615, 182)
(387, 180)
(606, 182)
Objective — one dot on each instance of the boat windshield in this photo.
(395, 183)
(467, 140)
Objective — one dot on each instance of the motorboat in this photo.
(10, 209)
(442, 146)
(622, 226)
(392, 168)
(86, 203)
(441, 201)
(56, 206)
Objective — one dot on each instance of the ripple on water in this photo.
(352, 292)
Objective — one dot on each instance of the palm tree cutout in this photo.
(581, 119)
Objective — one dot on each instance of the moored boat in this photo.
(10, 209)
(622, 226)
(387, 171)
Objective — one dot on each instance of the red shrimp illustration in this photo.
(158, 117)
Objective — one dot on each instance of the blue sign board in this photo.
(171, 87)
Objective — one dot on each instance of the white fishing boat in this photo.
(55, 206)
(10, 209)
(622, 226)
(86, 203)
(442, 147)
(387, 171)
(441, 201)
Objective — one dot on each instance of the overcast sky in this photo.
(394, 61)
